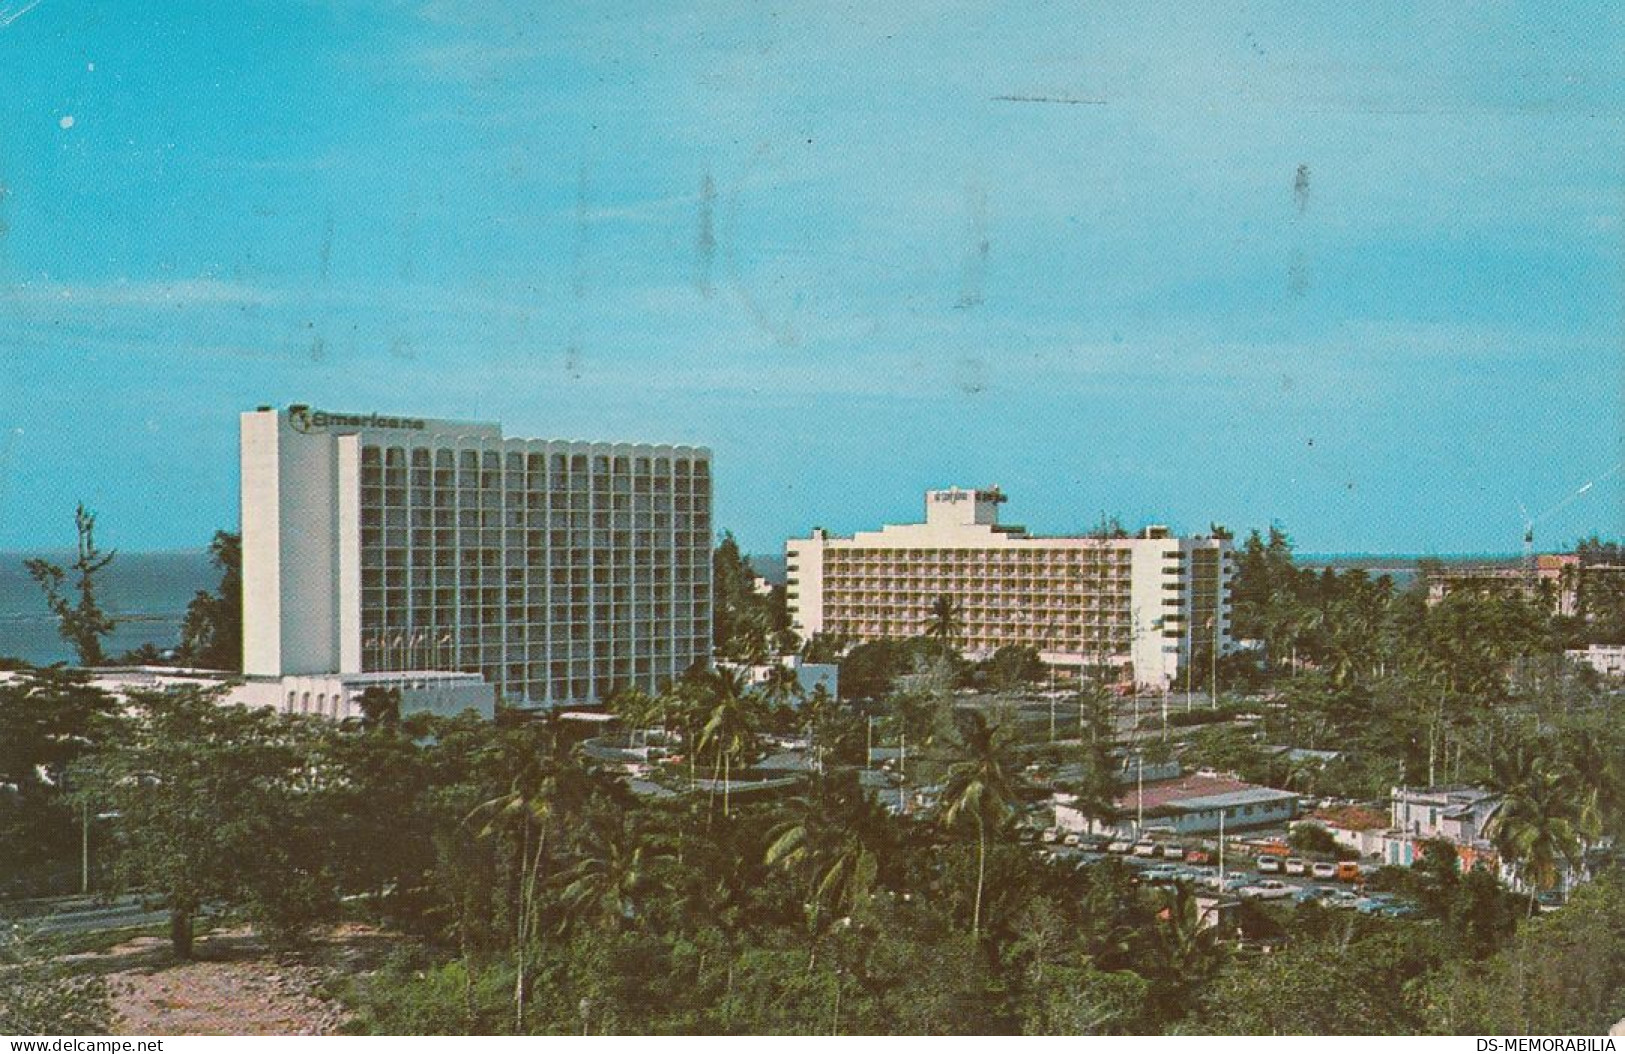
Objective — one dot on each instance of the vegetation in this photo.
(42, 997)
(544, 897)
(748, 626)
(212, 634)
(81, 622)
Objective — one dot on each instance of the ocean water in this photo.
(146, 592)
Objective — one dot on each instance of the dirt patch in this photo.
(234, 986)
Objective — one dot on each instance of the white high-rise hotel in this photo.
(557, 570)
(1140, 607)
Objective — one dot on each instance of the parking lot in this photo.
(1242, 877)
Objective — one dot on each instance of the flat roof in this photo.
(1249, 796)
(1195, 793)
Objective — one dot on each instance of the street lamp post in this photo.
(902, 778)
(84, 846)
(1213, 688)
(1139, 793)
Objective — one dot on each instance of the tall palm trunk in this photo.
(527, 924)
(981, 873)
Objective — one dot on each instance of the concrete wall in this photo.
(262, 554)
(804, 586)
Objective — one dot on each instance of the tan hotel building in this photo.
(1140, 607)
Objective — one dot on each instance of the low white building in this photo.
(810, 676)
(1363, 830)
(335, 696)
(338, 695)
(1607, 659)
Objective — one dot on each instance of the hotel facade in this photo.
(1139, 609)
(556, 570)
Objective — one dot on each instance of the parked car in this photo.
(1348, 871)
(1322, 870)
(1387, 906)
(1119, 846)
(1307, 893)
(1198, 856)
(1340, 898)
(1093, 845)
(1294, 866)
(1051, 835)
(1145, 848)
(1266, 889)
(1230, 883)
(1375, 903)
(1162, 874)
(1173, 852)
(1269, 864)
(1071, 841)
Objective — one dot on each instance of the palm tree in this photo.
(1535, 824)
(781, 685)
(833, 843)
(1096, 792)
(1597, 761)
(980, 785)
(546, 783)
(1180, 951)
(603, 888)
(946, 623)
(730, 728)
(635, 708)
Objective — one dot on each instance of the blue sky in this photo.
(1359, 273)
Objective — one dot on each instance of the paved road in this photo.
(79, 915)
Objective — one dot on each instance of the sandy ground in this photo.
(233, 986)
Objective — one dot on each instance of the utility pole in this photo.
(84, 846)
(1221, 850)
(1213, 688)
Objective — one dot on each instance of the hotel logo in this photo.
(305, 420)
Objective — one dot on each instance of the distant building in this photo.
(1459, 815)
(1140, 608)
(1554, 579)
(1607, 659)
(1187, 805)
(810, 676)
(556, 570)
(1354, 827)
